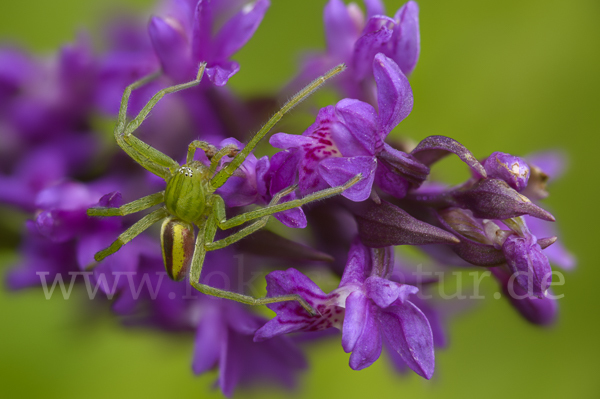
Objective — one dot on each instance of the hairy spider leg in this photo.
(209, 149)
(206, 234)
(150, 158)
(132, 232)
(224, 174)
(264, 213)
(135, 206)
(229, 150)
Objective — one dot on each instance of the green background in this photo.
(512, 76)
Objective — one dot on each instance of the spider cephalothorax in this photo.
(189, 198)
(186, 192)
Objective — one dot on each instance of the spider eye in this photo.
(177, 242)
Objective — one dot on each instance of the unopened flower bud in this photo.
(513, 170)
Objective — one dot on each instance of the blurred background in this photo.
(516, 76)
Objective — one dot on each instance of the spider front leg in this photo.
(224, 174)
(147, 156)
(219, 209)
(272, 208)
(211, 152)
(207, 234)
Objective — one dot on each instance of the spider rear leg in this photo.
(207, 233)
(132, 207)
(132, 232)
(249, 300)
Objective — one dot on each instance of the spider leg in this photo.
(132, 207)
(219, 207)
(225, 173)
(211, 152)
(209, 149)
(207, 233)
(132, 232)
(147, 156)
(230, 150)
(271, 209)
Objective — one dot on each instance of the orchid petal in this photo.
(369, 344)
(394, 95)
(408, 332)
(354, 320)
(356, 270)
(172, 49)
(210, 336)
(370, 44)
(239, 29)
(374, 7)
(340, 30)
(284, 167)
(220, 73)
(553, 163)
(557, 254)
(360, 137)
(540, 311)
(525, 259)
(201, 29)
(385, 292)
(513, 170)
(338, 171)
(285, 141)
(390, 182)
(406, 39)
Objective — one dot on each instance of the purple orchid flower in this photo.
(348, 140)
(484, 243)
(379, 309)
(185, 37)
(355, 40)
(367, 307)
(185, 34)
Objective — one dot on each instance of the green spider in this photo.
(189, 197)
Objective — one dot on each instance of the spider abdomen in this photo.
(185, 194)
(177, 243)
